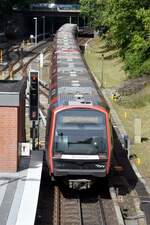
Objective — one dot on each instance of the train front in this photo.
(80, 145)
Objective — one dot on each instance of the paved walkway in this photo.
(19, 191)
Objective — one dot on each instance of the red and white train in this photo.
(78, 137)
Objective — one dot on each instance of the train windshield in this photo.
(80, 132)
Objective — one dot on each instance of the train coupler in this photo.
(80, 184)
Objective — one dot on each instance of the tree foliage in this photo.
(92, 10)
(6, 6)
(129, 29)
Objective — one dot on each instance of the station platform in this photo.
(19, 191)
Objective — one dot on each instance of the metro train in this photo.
(78, 133)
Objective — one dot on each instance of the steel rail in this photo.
(77, 209)
(23, 66)
(92, 211)
(56, 208)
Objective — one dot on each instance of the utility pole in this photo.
(70, 19)
(35, 36)
(1, 55)
(102, 70)
(43, 27)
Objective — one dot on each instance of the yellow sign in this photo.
(138, 161)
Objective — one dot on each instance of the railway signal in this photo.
(34, 95)
(34, 105)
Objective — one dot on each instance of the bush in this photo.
(145, 68)
(133, 62)
(136, 56)
(109, 40)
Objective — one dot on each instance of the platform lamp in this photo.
(35, 18)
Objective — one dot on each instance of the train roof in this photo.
(71, 82)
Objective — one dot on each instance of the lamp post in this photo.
(84, 21)
(102, 72)
(35, 18)
(43, 27)
(70, 19)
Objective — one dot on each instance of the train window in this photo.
(80, 132)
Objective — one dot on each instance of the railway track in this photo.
(88, 207)
(44, 91)
(78, 209)
(21, 61)
(92, 211)
(10, 53)
(36, 52)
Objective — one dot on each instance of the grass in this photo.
(112, 75)
(133, 106)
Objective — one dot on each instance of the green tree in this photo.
(129, 29)
(93, 11)
(137, 57)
